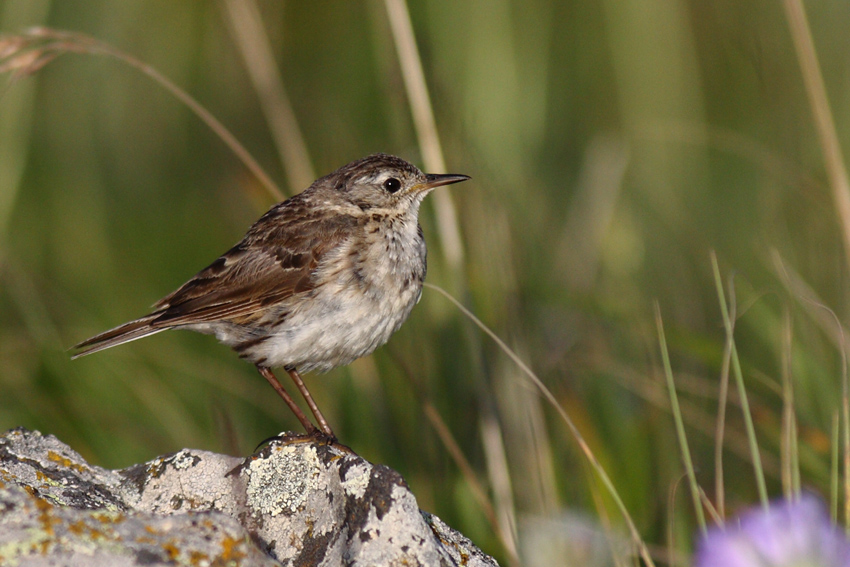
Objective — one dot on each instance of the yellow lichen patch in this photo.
(171, 549)
(199, 558)
(44, 545)
(156, 468)
(78, 528)
(464, 557)
(57, 458)
(45, 480)
(95, 534)
(45, 514)
(81, 528)
(65, 462)
(108, 517)
(230, 549)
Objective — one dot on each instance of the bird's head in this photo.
(382, 181)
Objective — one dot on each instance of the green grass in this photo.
(605, 169)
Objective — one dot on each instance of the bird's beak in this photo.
(437, 179)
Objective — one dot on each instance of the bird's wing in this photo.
(276, 260)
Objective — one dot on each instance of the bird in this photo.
(320, 280)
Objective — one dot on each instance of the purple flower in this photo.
(796, 533)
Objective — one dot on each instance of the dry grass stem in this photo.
(478, 492)
(504, 528)
(824, 122)
(250, 36)
(833, 467)
(28, 52)
(500, 479)
(789, 451)
(831, 325)
(800, 290)
(671, 505)
(709, 507)
(426, 127)
(550, 397)
(723, 398)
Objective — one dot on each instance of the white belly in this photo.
(330, 332)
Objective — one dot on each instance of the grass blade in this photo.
(680, 426)
(588, 453)
(742, 391)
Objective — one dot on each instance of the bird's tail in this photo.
(119, 335)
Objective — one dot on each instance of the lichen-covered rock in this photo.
(296, 502)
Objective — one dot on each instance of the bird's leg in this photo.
(278, 387)
(320, 419)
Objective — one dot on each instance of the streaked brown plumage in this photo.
(321, 279)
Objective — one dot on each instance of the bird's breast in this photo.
(363, 291)
(385, 260)
(384, 269)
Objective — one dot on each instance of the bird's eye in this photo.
(392, 184)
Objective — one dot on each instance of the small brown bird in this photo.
(320, 280)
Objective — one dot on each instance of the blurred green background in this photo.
(612, 146)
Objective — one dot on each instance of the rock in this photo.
(296, 502)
